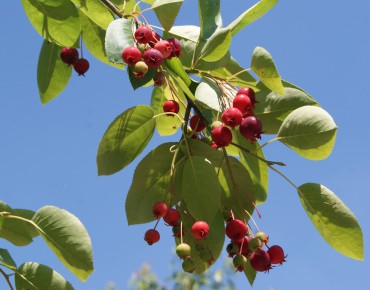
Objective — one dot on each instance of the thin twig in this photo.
(112, 7)
(7, 279)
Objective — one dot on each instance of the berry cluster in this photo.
(246, 247)
(150, 52)
(70, 56)
(171, 217)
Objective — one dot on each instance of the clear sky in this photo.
(48, 152)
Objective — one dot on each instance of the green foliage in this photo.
(6, 259)
(166, 11)
(333, 219)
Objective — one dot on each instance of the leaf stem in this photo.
(6, 276)
(169, 113)
(238, 73)
(112, 7)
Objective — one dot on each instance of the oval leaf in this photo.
(13, 230)
(52, 74)
(201, 188)
(60, 25)
(209, 93)
(6, 259)
(332, 219)
(34, 276)
(27, 214)
(118, 37)
(273, 108)
(210, 17)
(216, 46)
(264, 67)
(310, 131)
(96, 11)
(125, 138)
(150, 184)
(166, 11)
(67, 238)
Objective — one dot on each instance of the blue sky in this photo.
(48, 152)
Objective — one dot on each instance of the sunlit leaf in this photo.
(6, 258)
(166, 11)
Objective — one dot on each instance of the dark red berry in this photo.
(159, 78)
(196, 123)
(143, 34)
(131, 55)
(172, 217)
(151, 236)
(153, 58)
(176, 47)
(222, 136)
(249, 92)
(244, 104)
(232, 117)
(139, 69)
(171, 106)
(164, 47)
(236, 230)
(260, 261)
(159, 209)
(276, 254)
(81, 66)
(232, 249)
(251, 128)
(200, 230)
(69, 55)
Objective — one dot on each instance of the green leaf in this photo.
(209, 93)
(264, 67)
(93, 37)
(151, 183)
(27, 214)
(273, 108)
(52, 74)
(53, 3)
(166, 11)
(238, 188)
(201, 188)
(310, 131)
(209, 17)
(6, 259)
(118, 37)
(60, 25)
(96, 11)
(251, 15)
(67, 238)
(13, 230)
(257, 169)
(216, 46)
(139, 82)
(165, 125)
(175, 65)
(332, 219)
(250, 273)
(125, 138)
(34, 276)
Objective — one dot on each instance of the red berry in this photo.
(153, 58)
(236, 230)
(214, 145)
(151, 236)
(171, 106)
(143, 34)
(159, 209)
(155, 38)
(164, 47)
(196, 123)
(69, 55)
(260, 261)
(172, 217)
(139, 69)
(222, 136)
(131, 55)
(249, 92)
(243, 103)
(81, 66)
(245, 246)
(200, 230)
(232, 117)
(251, 128)
(176, 47)
(159, 78)
(276, 254)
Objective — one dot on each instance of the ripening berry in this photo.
(260, 261)
(159, 209)
(151, 236)
(239, 262)
(131, 55)
(139, 69)
(172, 217)
(81, 66)
(200, 230)
(264, 238)
(196, 123)
(232, 117)
(143, 34)
(222, 136)
(276, 254)
(244, 104)
(236, 230)
(153, 58)
(251, 128)
(255, 244)
(171, 106)
(164, 47)
(183, 251)
(249, 92)
(69, 55)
